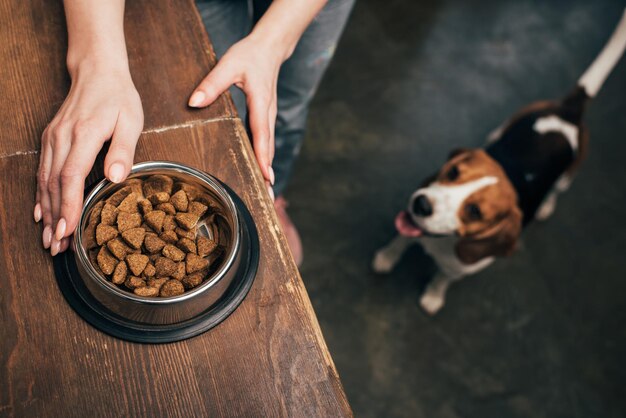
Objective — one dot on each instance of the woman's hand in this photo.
(102, 104)
(252, 65)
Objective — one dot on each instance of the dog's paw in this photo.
(547, 208)
(382, 263)
(431, 303)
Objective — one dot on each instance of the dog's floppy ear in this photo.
(498, 240)
(456, 152)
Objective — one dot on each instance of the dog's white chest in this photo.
(442, 250)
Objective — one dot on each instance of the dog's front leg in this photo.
(387, 257)
(434, 296)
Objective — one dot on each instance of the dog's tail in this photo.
(592, 80)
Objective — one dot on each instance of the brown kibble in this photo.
(126, 221)
(136, 185)
(166, 207)
(157, 183)
(129, 204)
(145, 236)
(89, 237)
(192, 191)
(94, 216)
(180, 201)
(183, 233)
(119, 275)
(173, 253)
(106, 261)
(165, 267)
(187, 245)
(150, 270)
(145, 206)
(153, 243)
(170, 237)
(137, 263)
(146, 291)
(179, 274)
(192, 280)
(134, 237)
(168, 223)
(108, 215)
(187, 220)
(93, 257)
(159, 198)
(157, 282)
(155, 219)
(117, 197)
(197, 208)
(105, 233)
(205, 246)
(195, 263)
(171, 288)
(118, 248)
(133, 282)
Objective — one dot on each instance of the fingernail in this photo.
(272, 177)
(116, 172)
(37, 212)
(60, 232)
(197, 98)
(56, 246)
(47, 236)
(270, 190)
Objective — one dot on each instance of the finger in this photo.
(76, 168)
(215, 83)
(272, 122)
(119, 159)
(65, 243)
(59, 246)
(61, 149)
(258, 115)
(270, 190)
(37, 214)
(43, 177)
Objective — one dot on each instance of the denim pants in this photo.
(228, 21)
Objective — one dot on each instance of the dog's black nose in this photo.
(421, 206)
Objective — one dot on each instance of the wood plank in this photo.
(267, 359)
(169, 53)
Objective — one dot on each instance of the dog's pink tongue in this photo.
(405, 225)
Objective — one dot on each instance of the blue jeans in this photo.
(228, 21)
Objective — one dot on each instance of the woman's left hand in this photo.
(252, 65)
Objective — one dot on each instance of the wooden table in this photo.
(267, 359)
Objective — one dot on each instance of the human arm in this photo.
(102, 104)
(253, 63)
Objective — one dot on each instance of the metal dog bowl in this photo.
(153, 319)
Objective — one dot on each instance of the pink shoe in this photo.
(289, 229)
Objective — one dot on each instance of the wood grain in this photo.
(267, 359)
(168, 53)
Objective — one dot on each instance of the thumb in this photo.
(215, 83)
(119, 158)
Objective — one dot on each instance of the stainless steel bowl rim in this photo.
(140, 168)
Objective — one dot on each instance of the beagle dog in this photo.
(474, 209)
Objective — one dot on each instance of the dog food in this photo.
(144, 237)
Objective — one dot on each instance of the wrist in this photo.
(96, 62)
(278, 45)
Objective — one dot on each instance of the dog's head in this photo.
(470, 197)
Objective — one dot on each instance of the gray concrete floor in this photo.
(540, 334)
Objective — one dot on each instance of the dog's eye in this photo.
(473, 212)
(453, 173)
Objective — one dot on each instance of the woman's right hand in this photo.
(102, 104)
